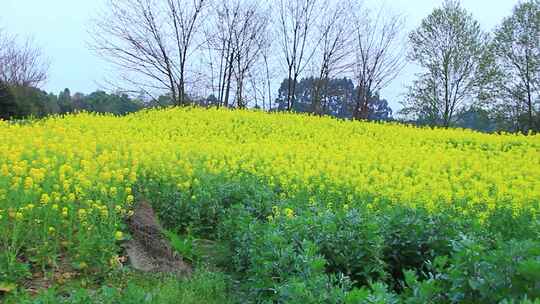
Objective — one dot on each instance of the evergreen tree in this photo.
(337, 99)
(64, 101)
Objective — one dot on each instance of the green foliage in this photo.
(286, 250)
(20, 102)
(102, 102)
(477, 118)
(449, 46)
(350, 241)
(8, 106)
(340, 94)
(184, 245)
(511, 69)
(413, 237)
(508, 272)
(31, 102)
(202, 206)
(418, 292)
(478, 274)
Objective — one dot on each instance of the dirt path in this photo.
(148, 250)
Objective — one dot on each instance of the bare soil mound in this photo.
(148, 250)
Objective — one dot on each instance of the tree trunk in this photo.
(364, 110)
(293, 93)
(316, 103)
(181, 91)
(289, 90)
(358, 104)
(228, 83)
(240, 88)
(530, 106)
(529, 95)
(268, 83)
(361, 111)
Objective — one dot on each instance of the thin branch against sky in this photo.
(60, 26)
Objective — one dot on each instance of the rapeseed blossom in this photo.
(71, 180)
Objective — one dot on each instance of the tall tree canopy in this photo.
(513, 68)
(449, 46)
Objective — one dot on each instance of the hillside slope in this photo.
(334, 204)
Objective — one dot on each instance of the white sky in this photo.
(60, 27)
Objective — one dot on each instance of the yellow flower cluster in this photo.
(70, 178)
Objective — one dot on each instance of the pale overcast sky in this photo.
(60, 27)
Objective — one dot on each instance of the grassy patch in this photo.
(133, 287)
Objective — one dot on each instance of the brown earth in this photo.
(148, 250)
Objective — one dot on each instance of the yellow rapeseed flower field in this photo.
(68, 183)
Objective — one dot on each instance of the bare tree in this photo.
(379, 53)
(265, 46)
(21, 63)
(152, 39)
(296, 22)
(334, 38)
(235, 41)
(220, 42)
(4, 42)
(248, 49)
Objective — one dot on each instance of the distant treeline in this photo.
(19, 102)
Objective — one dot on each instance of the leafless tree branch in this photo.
(21, 63)
(150, 39)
